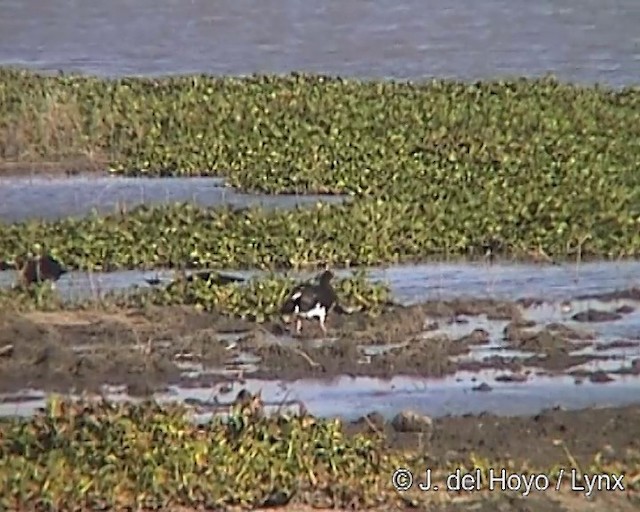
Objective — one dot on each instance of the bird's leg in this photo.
(322, 326)
(298, 325)
(38, 269)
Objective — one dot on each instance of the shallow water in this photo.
(57, 197)
(455, 394)
(415, 283)
(617, 357)
(581, 40)
(352, 397)
(626, 327)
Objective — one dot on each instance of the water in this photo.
(626, 328)
(78, 196)
(415, 283)
(579, 40)
(455, 394)
(352, 397)
(411, 284)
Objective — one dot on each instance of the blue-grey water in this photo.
(23, 198)
(350, 397)
(415, 283)
(578, 40)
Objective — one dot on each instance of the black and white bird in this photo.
(308, 301)
(38, 269)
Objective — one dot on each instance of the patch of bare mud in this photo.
(147, 350)
(580, 434)
(85, 350)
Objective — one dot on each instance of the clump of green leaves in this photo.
(88, 455)
(41, 297)
(103, 455)
(258, 299)
(435, 169)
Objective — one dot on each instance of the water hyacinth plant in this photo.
(116, 456)
(259, 299)
(93, 455)
(435, 169)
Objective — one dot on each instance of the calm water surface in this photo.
(53, 198)
(350, 397)
(580, 40)
(411, 284)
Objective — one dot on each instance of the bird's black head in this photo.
(243, 397)
(326, 277)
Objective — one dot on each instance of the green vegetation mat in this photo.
(434, 169)
(257, 299)
(118, 456)
(101, 455)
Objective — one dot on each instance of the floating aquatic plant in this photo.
(99, 454)
(257, 299)
(436, 168)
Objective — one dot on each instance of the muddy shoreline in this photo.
(147, 350)
(562, 439)
(584, 433)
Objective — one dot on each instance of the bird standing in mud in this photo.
(38, 269)
(309, 301)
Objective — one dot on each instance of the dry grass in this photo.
(48, 135)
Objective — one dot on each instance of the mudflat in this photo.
(146, 349)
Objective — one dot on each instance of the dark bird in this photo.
(39, 269)
(491, 247)
(212, 277)
(249, 404)
(308, 301)
(153, 281)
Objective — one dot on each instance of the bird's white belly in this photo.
(318, 311)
